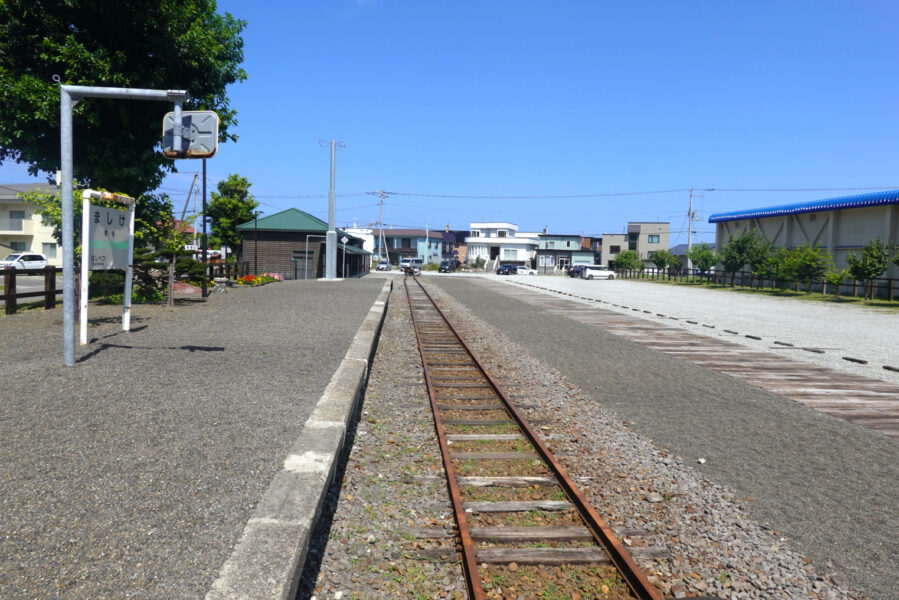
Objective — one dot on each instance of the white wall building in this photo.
(21, 228)
(368, 239)
(500, 242)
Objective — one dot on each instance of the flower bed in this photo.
(259, 279)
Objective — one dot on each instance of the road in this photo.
(32, 283)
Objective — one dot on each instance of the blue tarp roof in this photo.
(861, 200)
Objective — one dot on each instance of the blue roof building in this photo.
(841, 225)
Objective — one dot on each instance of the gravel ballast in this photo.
(132, 474)
(716, 541)
(829, 487)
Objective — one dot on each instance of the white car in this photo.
(383, 266)
(24, 260)
(597, 272)
(526, 271)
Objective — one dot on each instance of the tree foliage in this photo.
(740, 250)
(702, 257)
(663, 259)
(809, 263)
(230, 207)
(870, 263)
(629, 259)
(156, 44)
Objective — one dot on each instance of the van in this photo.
(412, 265)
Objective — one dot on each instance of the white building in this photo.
(500, 242)
(21, 228)
(367, 237)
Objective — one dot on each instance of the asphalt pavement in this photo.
(133, 473)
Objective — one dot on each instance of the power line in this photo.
(550, 197)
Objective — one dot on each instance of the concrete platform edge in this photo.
(268, 559)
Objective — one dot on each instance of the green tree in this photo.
(629, 259)
(230, 207)
(780, 267)
(164, 44)
(702, 257)
(758, 257)
(836, 279)
(810, 263)
(663, 259)
(870, 263)
(738, 250)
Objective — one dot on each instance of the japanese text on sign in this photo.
(108, 239)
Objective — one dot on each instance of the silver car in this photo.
(597, 272)
(24, 260)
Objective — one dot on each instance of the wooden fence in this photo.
(10, 295)
(882, 287)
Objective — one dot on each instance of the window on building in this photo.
(407, 243)
(18, 246)
(550, 245)
(568, 244)
(510, 254)
(16, 217)
(501, 233)
(653, 239)
(615, 249)
(49, 250)
(547, 260)
(475, 233)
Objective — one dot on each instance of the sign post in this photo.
(69, 95)
(107, 242)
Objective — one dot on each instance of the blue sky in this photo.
(495, 102)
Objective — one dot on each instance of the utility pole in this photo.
(381, 247)
(331, 237)
(690, 216)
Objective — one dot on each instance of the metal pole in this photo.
(129, 271)
(68, 95)
(68, 228)
(85, 252)
(256, 244)
(205, 257)
(331, 240)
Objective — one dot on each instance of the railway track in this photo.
(517, 511)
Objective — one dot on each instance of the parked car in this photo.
(597, 272)
(447, 266)
(576, 270)
(24, 260)
(411, 265)
(507, 270)
(383, 266)
(526, 271)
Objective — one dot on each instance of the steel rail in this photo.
(469, 560)
(634, 577)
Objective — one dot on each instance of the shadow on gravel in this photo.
(103, 347)
(322, 532)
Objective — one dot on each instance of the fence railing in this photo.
(882, 287)
(10, 296)
(229, 270)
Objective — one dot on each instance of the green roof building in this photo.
(292, 243)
